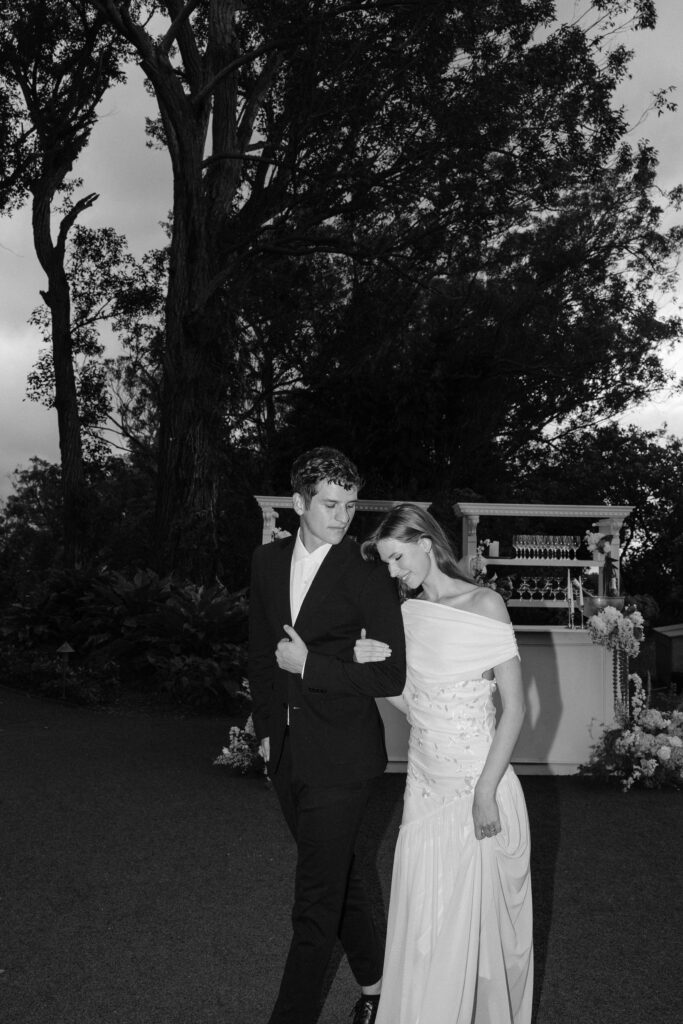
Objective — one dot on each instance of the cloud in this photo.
(26, 428)
(134, 187)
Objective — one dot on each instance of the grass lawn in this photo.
(141, 885)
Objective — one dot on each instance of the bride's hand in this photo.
(370, 650)
(485, 815)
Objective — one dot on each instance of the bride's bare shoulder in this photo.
(488, 602)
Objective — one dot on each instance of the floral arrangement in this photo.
(622, 633)
(601, 544)
(616, 630)
(597, 542)
(645, 748)
(477, 569)
(242, 751)
(278, 534)
(478, 565)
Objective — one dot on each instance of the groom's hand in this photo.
(291, 654)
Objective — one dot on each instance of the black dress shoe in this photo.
(365, 1010)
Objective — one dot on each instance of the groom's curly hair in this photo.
(322, 465)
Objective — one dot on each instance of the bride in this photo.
(459, 942)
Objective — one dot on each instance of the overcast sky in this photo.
(134, 186)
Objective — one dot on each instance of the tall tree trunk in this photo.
(193, 405)
(198, 354)
(58, 299)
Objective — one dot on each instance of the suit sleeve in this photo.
(381, 615)
(261, 660)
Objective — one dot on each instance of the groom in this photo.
(316, 718)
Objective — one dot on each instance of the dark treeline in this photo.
(418, 231)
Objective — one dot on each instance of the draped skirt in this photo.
(459, 940)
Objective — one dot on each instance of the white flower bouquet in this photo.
(616, 630)
(242, 751)
(645, 748)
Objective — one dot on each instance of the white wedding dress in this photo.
(459, 942)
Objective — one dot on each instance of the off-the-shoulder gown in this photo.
(459, 943)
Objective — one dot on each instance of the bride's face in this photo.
(408, 561)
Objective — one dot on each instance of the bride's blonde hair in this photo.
(409, 523)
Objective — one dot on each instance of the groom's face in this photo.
(328, 515)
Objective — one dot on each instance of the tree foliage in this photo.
(417, 136)
(622, 465)
(415, 230)
(110, 292)
(451, 186)
(56, 61)
(553, 322)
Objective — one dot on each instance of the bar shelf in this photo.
(606, 519)
(558, 563)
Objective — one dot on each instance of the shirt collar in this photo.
(301, 553)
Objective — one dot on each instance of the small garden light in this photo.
(64, 651)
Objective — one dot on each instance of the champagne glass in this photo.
(525, 588)
(515, 545)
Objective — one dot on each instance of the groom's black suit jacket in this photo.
(336, 733)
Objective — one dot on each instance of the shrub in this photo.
(154, 633)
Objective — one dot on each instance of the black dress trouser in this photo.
(329, 897)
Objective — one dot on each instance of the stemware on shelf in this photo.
(545, 546)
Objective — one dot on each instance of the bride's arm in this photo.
(485, 807)
(374, 650)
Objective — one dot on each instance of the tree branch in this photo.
(69, 220)
(246, 123)
(172, 34)
(181, 31)
(120, 19)
(238, 155)
(234, 64)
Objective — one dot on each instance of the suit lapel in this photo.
(281, 569)
(323, 584)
